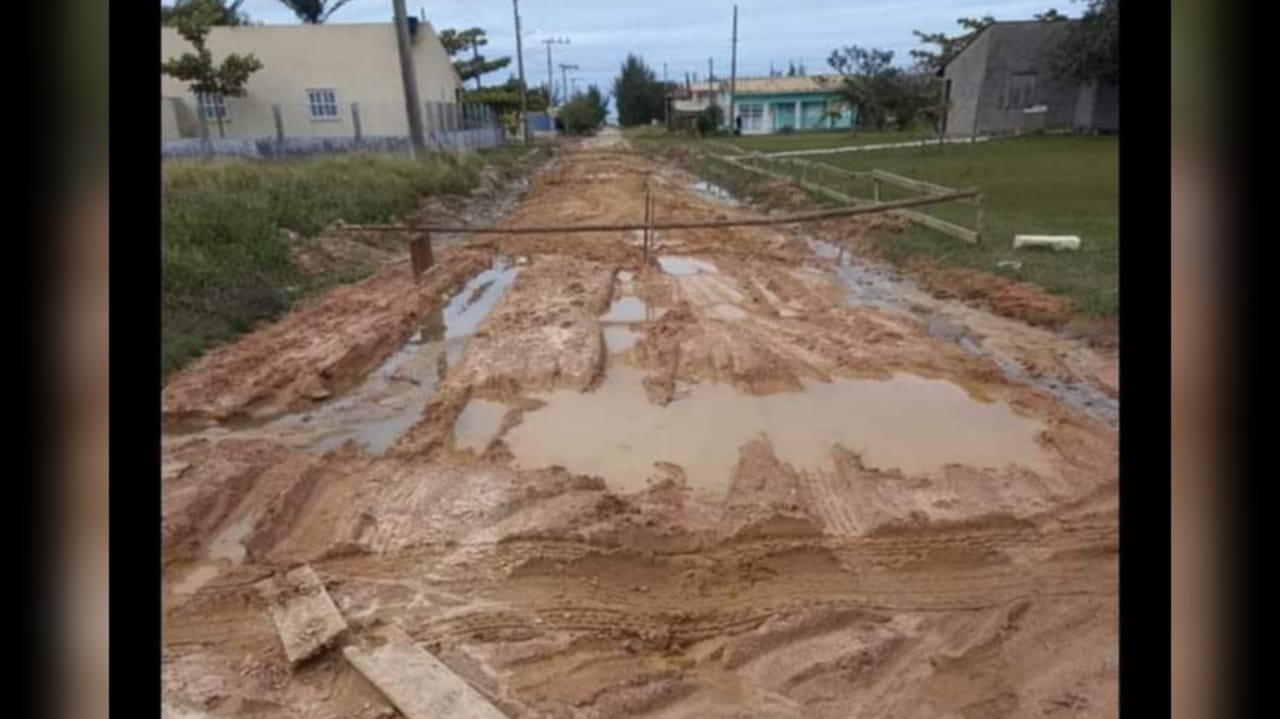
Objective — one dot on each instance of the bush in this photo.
(580, 116)
(224, 265)
(709, 120)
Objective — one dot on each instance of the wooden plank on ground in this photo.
(949, 228)
(414, 681)
(305, 616)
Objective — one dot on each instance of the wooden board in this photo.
(305, 616)
(414, 681)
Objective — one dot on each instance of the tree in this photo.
(215, 12)
(227, 79)
(314, 12)
(637, 93)
(456, 42)
(1090, 48)
(1050, 15)
(867, 82)
(948, 47)
(585, 113)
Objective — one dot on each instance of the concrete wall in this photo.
(982, 74)
(305, 146)
(360, 62)
(967, 73)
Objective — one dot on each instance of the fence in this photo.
(244, 127)
(822, 178)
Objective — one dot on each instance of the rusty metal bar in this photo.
(865, 209)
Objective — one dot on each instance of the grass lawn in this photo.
(224, 264)
(1044, 184)
(821, 139)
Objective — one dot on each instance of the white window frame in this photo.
(316, 100)
(752, 115)
(210, 104)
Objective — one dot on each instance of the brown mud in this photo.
(722, 483)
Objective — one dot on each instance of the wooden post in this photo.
(978, 218)
(647, 218)
(355, 121)
(875, 182)
(420, 255)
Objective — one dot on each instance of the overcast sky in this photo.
(684, 33)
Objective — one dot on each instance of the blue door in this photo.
(784, 115)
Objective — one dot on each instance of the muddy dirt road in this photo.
(756, 477)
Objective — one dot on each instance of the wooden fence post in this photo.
(355, 121)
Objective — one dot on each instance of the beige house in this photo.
(314, 74)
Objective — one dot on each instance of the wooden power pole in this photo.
(733, 70)
(413, 109)
(524, 89)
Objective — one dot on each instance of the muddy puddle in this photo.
(478, 424)
(619, 338)
(881, 288)
(711, 189)
(908, 423)
(391, 399)
(630, 308)
(679, 265)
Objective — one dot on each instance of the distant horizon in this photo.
(602, 34)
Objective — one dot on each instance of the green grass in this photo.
(1042, 184)
(224, 264)
(821, 139)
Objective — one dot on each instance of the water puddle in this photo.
(680, 265)
(619, 339)
(393, 397)
(870, 285)
(711, 189)
(631, 309)
(478, 424)
(229, 544)
(908, 423)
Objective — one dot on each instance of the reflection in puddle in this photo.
(630, 309)
(619, 339)
(679, 265)
(908, 423)
(478, 424)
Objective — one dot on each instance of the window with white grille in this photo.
(323, 103)
(752, 116)
(213, 107)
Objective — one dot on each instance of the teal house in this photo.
(803, 102)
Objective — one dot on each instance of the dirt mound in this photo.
(1001, 295)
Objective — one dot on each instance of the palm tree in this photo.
(314, 12)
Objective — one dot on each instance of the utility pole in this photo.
(524, 89)
(551, 78)
(711, 83)
(666, 99)
(413, 109)
(733, 71)
(564, 78)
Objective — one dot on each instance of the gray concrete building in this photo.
(1002, 82)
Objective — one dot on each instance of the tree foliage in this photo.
(506, 97)
(948, 46)
(585, 113)
(211, 12)
(1090, 48)
(882, 92)
(637, 93)
(457, 42)
(314, 12)
(198, 70)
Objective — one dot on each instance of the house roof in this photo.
(784, 84)
(999, 23)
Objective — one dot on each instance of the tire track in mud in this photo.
(827, 592)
